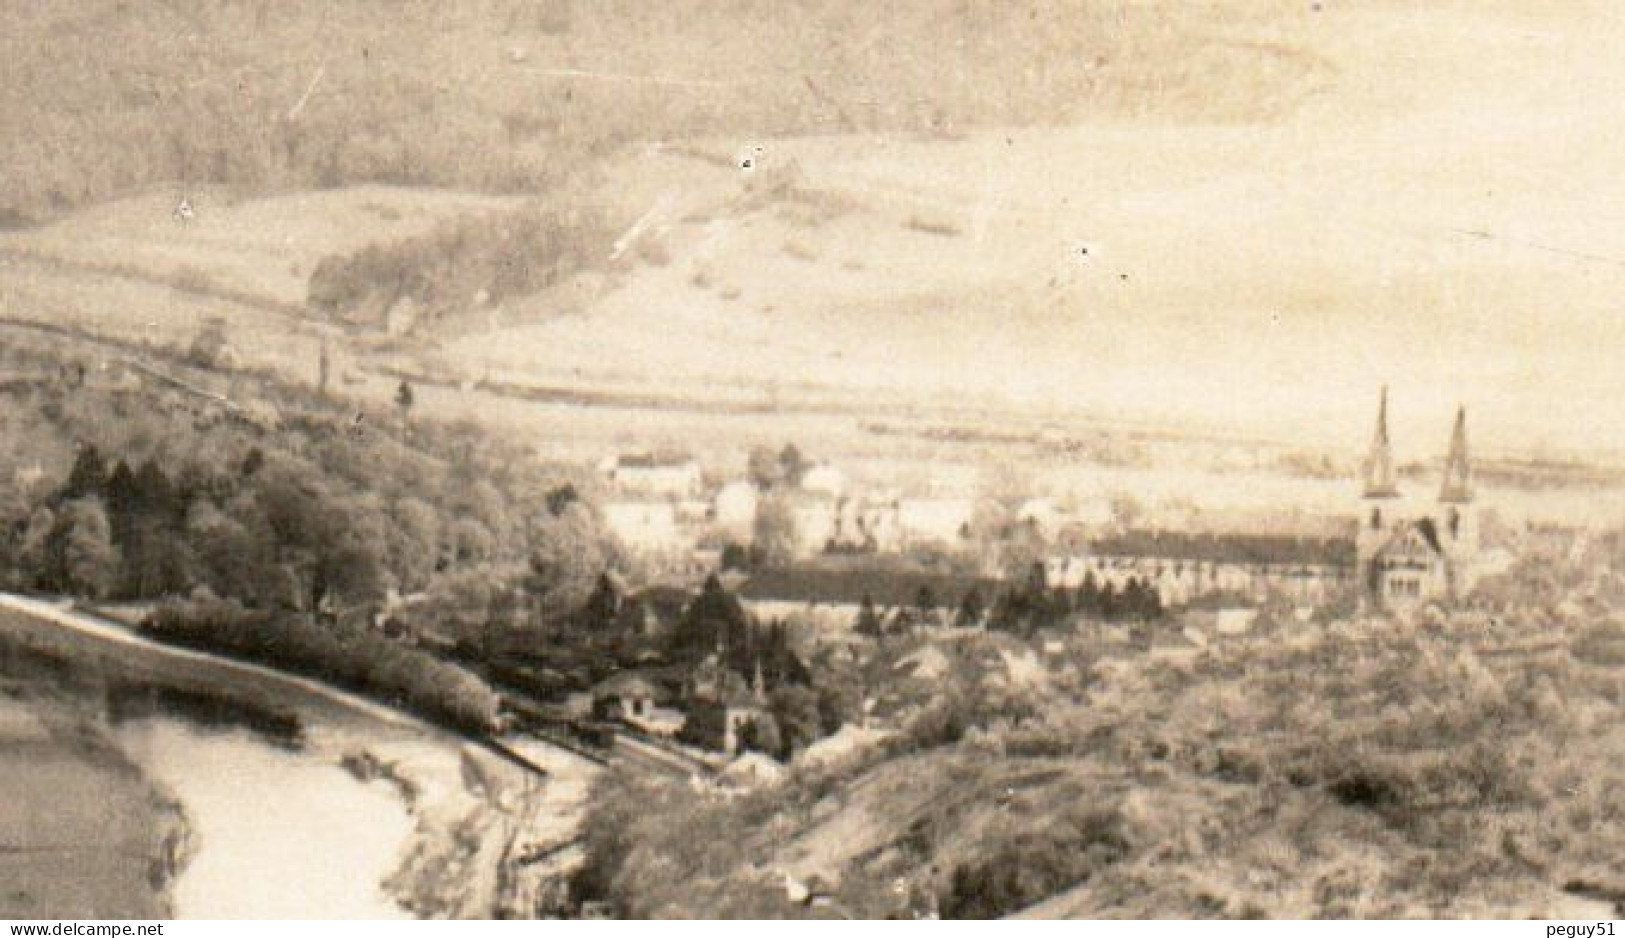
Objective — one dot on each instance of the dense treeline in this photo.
(459, 264)
(338, 653)
(516, 95)
(287, 543)
(1037, 605)
(114, 494)
(319, 522)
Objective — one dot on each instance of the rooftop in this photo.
(1275, 549)
(885, 586)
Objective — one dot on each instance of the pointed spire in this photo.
(1457, 487)
(1379, 465)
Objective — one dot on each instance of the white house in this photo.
(644, 527)
(925, 520)
(735, 509)
(868, 525)
(816, 520)
(824, 480)
(646, 474)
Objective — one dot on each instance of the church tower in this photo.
(1458, 525)
(1458, 476)
(1379, 494)
(1378, 471)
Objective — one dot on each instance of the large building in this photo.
(654, 474)
(1412, 553)
(1185, 567)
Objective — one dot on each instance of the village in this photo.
(743, 604)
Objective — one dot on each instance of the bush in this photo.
(510, 255)
(1035, 865)
(342, 655)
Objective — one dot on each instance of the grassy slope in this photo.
(519, 96)
(257, 249)
(511, 93)
(1352, 772)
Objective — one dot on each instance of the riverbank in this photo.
(458, 826)
(83, 832)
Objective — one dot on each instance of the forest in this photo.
(525, 95)
(307, 530)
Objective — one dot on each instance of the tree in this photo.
(234, 554)
(714, 619)
(34, 548)
(469, 541)
(1037, 579)
(566, 557)
(925, 601)
(88, 475)
(120, 495)
(735, 557)
(561, 498)
(351, 564)
(157, 559)
(334, 545)
(971, 608)
(1009, 611)
(764, 467)
(90, 562)
(155, 493)
(468, 492)
(775, 530)
(603, 609)
(465, 605)
(1088, 602)
(792, 467)
(1110, 606)
(840, 701)
(796, 709)
(761, 734)
(868, 619)
(404, 399)
(414, 543)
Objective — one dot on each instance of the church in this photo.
(1410, 553)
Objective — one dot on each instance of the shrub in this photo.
(1035, 865)
(510, 255)
(343, 655)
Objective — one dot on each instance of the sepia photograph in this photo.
(812, 459)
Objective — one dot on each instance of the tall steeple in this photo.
(1379, 465)
(1457, 488)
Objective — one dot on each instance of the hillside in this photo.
(1117, 221)
(1340, 770)
(259, 250)
(104, 97)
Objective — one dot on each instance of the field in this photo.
(794, 247)
(522, 94)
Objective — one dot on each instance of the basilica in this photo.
(1412, 551)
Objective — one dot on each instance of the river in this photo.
(276, 832)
